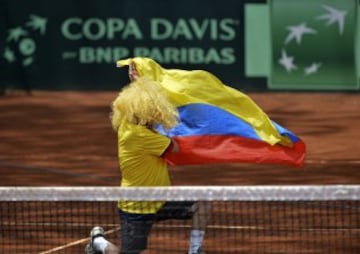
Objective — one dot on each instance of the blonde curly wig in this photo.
(143, 102)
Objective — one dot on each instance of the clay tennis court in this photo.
(65, 139)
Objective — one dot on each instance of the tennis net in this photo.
(241, 219)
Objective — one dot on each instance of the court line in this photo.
(112, 225)
(76, 242)
(159, 226)
(227, 227)
(53, 224)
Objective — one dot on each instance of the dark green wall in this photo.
(73, 45)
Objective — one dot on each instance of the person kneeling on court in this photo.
(137, 110)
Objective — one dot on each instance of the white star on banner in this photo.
(334, 16)
(312, 69)
(297, 32)
(287, 61)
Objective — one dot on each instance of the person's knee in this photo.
(201, 207)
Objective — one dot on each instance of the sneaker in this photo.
(90, 250)
(95, 232)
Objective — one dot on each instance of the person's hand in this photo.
(175, 146)
(172, 148)
(133, 74)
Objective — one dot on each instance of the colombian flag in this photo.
(219, 124)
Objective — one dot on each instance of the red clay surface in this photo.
(65, 139)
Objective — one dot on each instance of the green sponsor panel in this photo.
(358, 46)
(257, 38)
(313, 45)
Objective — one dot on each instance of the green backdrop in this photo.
(304, 45)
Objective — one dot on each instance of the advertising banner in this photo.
(251, 45)
(313, 44)
(75, 44)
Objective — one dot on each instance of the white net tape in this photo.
(181, 193)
